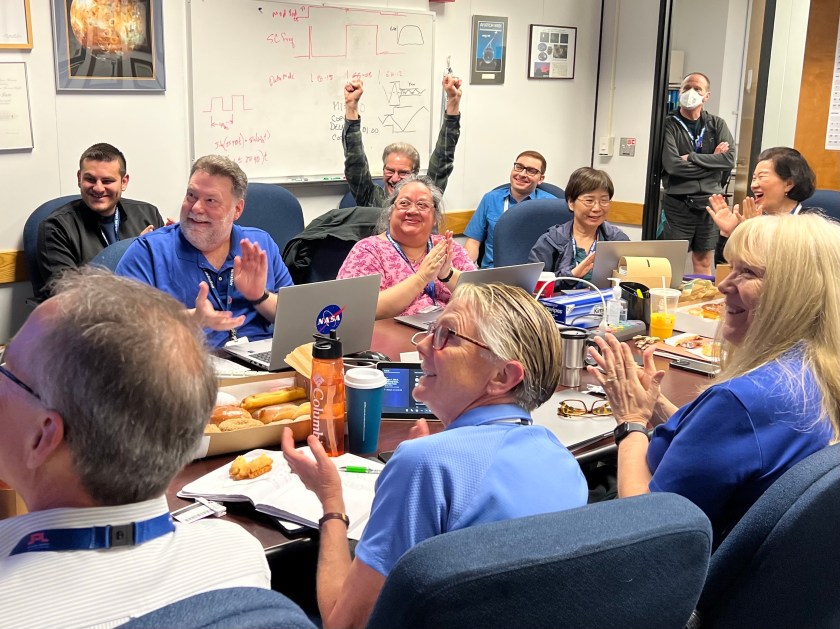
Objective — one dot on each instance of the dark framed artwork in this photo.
(489, 46)
(111, 45)
(551, 52)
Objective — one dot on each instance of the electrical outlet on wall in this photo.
(605, 145)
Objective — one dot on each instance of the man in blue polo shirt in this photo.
(226, 275)
(527, 173)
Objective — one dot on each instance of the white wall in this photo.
(552, 116)
(787, 56)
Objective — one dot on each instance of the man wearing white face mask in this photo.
(697, 158)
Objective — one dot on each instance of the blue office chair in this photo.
(244, 607)
(828, 200)
(518, 229)
(637, 562)
(110, 256)
(30, 237)
(780, 565)
(273, 209)
(557, 191)
(348, 201)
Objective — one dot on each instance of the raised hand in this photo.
(353, 91)
(452, 87)
(320, 474)
(434, 261)
(250, 270)
(585, 266)
(726, 220)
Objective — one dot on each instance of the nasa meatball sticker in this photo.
(329, 319)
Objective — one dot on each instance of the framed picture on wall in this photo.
(106, 45)
(551, 52)
(15, 25)
(489, 44)
(15, 119)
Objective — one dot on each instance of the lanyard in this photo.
(217, 299)
(591, 247)
(95, 537)
(116, 228)
(430, 289)
(698, 141)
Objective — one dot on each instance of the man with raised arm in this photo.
(399, 159)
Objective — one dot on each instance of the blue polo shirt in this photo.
(492, 206)
(485, 467)
(166, 260)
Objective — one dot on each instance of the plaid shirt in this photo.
(357, 169)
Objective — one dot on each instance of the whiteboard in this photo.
(267, 84)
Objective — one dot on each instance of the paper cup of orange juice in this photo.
(663, 304)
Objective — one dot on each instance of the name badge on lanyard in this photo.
(698, 141)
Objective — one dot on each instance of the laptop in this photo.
(347, 306)
(524, 276)
(608, 253)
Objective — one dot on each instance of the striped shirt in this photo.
(105, 588)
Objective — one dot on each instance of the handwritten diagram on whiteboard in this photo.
(268, 80)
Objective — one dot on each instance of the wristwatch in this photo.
(334, 516)
(448, 277)
(624, 429)
(265, 296)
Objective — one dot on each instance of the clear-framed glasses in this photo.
(589, 202)
(404, 205)
(531, 172)
(579, 408)
(390, 172)
(18, 381)
(440, 337)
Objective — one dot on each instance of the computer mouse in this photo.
(370, 355)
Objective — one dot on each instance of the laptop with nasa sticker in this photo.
(347, 306)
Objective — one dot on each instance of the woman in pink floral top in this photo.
(418, 267)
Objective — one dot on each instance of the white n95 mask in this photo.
(691, 99)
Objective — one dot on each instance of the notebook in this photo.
(524, 276)
(608, 253)
(347, 306)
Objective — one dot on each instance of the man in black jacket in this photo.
(74, 233)
(697, 158)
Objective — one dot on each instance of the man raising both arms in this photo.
(399, 159)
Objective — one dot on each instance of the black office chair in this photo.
(780, 565)
(518, 229)
(631, 563)
(273, 209)
(30, 237)
(348, 201)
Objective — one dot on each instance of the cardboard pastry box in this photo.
(267, 436)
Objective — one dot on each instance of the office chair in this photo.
(110, 256)
(631, 563)
(244, 607)
(518, 229)
(557, 191)
(30, 236)
(780, 565)
(348, 201)
(828, 200)
(317, 253)
(273, 209)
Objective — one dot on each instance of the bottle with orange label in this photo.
(327, 393)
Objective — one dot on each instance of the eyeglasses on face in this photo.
(18, 381)
(390, 172)
(531, 172)
(440, 337)
(577, 408)
(404, 205)
(589, 202)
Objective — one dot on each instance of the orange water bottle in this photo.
(327, 393)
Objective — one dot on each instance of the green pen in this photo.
(358, 469)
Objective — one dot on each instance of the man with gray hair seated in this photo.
(104, 395)
(225, 274)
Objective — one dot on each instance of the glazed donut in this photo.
(221, 413)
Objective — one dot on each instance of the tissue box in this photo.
(569, 309)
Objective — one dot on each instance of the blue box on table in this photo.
(583, 309)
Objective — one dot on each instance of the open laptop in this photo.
(608, 253)
(347, 306)
(524, 276)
